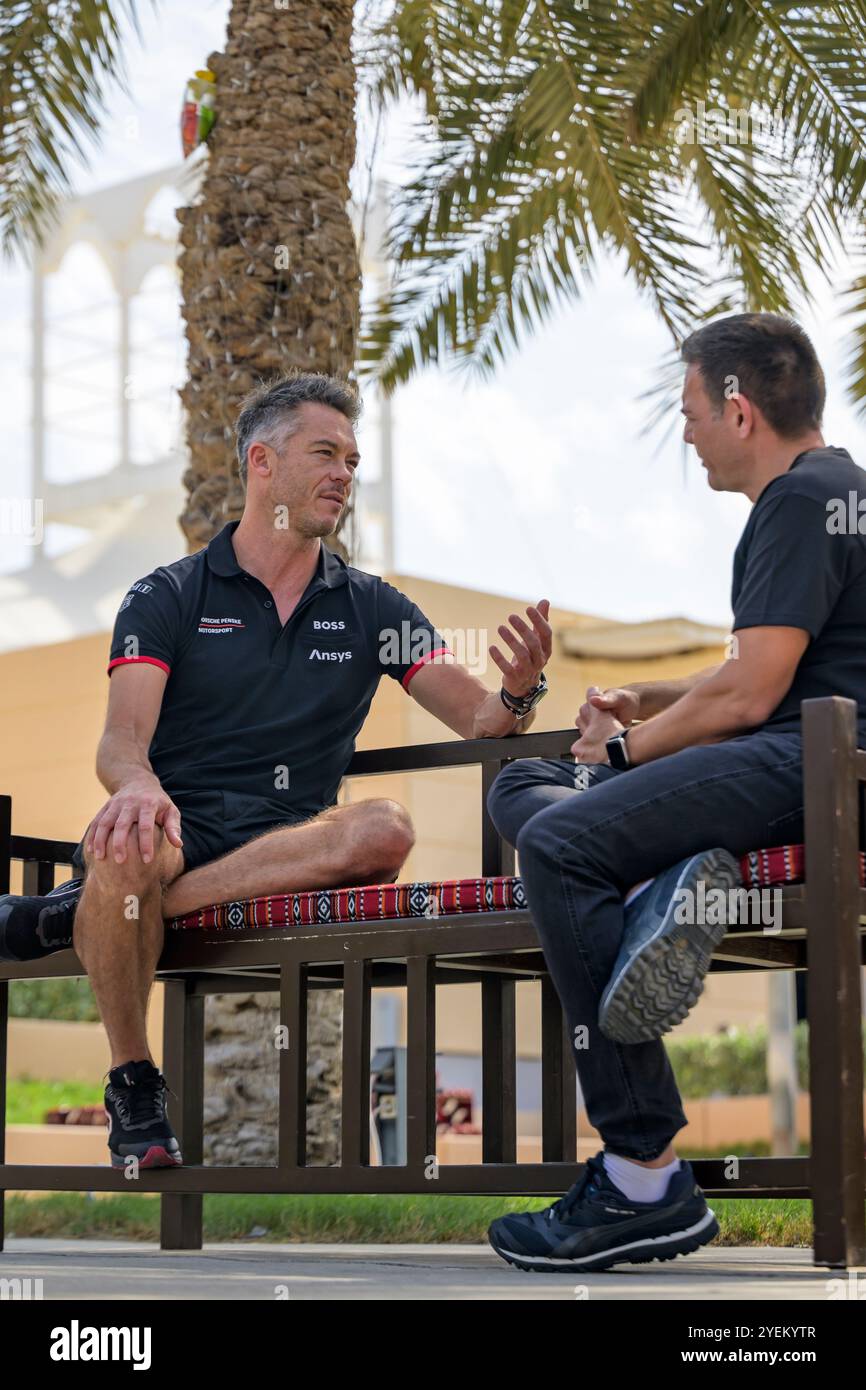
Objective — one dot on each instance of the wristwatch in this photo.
(617, 752)
(522, 704)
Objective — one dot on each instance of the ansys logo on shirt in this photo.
(317, 655)
(220, 626)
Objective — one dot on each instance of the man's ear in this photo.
(742, 413)
(257, 459)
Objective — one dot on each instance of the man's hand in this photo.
(531, 648)
(141, 802)
(595, 725)
(624, 705)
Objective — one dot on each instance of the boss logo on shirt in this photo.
(325, 626)
(219, 627)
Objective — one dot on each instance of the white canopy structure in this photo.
(91, 371)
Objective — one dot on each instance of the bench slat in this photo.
(355, 1141)
(558, 1080)
(420, 1063)
(498, 1070)
(292, 1124)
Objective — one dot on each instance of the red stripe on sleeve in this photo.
(136, 660)
(413, 670)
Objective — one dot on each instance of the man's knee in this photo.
(551, 833)
(132, 873)
(531, 840)
(513, 779)
(388, 837)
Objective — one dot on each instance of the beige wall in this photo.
(52, 706)
(45, 1050)
(711, 1123)
(446, 806)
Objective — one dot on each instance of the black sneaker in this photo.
(135, 1106)
(595, 1226)
(667, 949)
(38, 926)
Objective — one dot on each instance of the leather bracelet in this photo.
(521, 705)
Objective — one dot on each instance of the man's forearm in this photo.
(120, 759)
(655, 696)
(493, 720)
(714, 709)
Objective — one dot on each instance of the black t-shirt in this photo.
(801, 562)
(253, 708)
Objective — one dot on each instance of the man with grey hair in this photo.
(241, 676)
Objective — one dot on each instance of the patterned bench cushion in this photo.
(783, 864)
(445, 898)
(375, 904)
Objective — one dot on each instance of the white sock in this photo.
(636, 891)
(637, 1183)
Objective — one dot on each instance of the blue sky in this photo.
(538, 482)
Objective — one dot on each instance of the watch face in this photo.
(616, 752)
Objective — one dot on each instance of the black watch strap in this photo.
(520, 705)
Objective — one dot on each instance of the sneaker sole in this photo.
(635, 1252)
(156, 1157)
(8, 956)
(660, 985)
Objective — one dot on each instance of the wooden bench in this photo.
(824, 924)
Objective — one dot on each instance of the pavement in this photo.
(91, 1269)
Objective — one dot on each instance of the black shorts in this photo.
(213, 823)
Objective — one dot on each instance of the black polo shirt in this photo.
(254, 708)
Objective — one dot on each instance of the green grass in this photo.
(27, 1101)
(358, 1219)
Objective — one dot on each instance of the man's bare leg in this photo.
(118, 936)
(366, 842)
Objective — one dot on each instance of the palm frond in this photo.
(854, 302)
(529, 177)
(530, 170)
(56, 57)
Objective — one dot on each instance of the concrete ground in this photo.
(92, 1269)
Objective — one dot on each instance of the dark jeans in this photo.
(581, 849)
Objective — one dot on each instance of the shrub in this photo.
(69, 1001)
(732, 1063)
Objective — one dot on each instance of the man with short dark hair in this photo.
(240, 677)
(691, 773)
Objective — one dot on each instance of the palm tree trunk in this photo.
(270, 282)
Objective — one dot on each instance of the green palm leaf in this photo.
(55, 59)
(558, 135)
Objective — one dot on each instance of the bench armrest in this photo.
(461, 753)
(492, 753)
